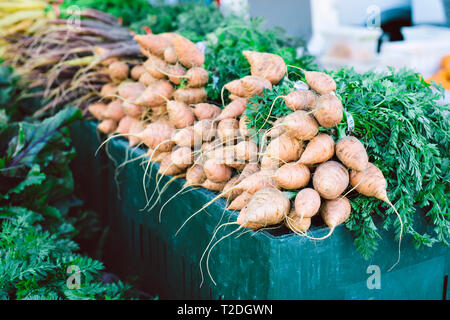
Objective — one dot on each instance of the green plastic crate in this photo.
(270, 264)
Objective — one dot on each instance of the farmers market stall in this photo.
(214, 159)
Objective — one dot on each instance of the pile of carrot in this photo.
(163, 107)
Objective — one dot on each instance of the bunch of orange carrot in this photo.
(142, 93)
(295, 154)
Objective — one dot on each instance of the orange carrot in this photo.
(137, 71)
(318, 150)
(300, 125)
(228, 130)
(197, 77)
(258, 180)
(352, 153)
(240, 201)
(132, 109)
(247, 151)
(97, 109)
(284, 148)
(266, 65)
(156, 94)
(130, 91)
(269, 163)
(243, 130)
(175, 73)
(158, 135)
(268, 206)
(190, 95)
(155, 67)
(242, 220)
(277, 129)
(180, 115)
(107, 126)
(170, 56)
(328, 110)
(213, 186)
(185, 137)
(195, 175)
(168, 168)
(300, 100)
(234, 193)
(206, 111)
(205, 129)
(114, 111)
(146, 79)
(216, 172)
(307, 203)
(330, 179)
(108, 90)
(291, 176)
(156, 44)
(235, 87)
(187, 52)
(233, 110)
(254, 85)
(182, 157)
(336, 211)
(233, 97)
(124, 125)
(370, 182)
(296, 223)
(320, 82)
(135, 128)
(118, 71)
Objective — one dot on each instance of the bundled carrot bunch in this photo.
(293, 155)
(161, 102)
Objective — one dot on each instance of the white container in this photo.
(362, 38)
(425, 32)
(350, 46)
(423, 56)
